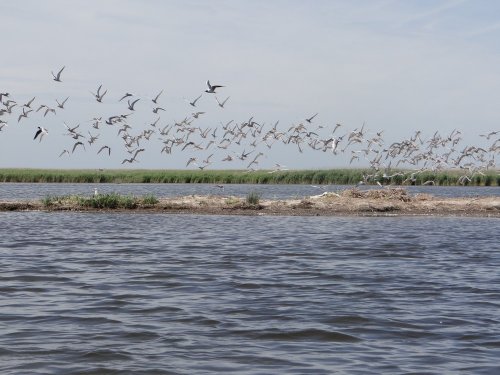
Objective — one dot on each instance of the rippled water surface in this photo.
(38, 191)
(100, 293)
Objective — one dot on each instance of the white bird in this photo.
(61, 104)
(40, 132)
(76, 144)
(311, 118)
(131, 105)
(98, 96)
(29, 103)
(127, 94)
(57, 77)
(193, 103)
(211, 88)
(156, 109)
(157, 96)
(221, 104)
(103, 147)
(24, 114)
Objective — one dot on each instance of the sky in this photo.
(395, 66)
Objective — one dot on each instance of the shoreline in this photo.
(353, 202)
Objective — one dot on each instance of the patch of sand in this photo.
(394, 201)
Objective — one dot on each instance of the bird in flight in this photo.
(131, 105)
(61, 104)
(28, 104)
(98, 96)
(157, 96)
(311, 118)
(155, 110)
(221, 104)
(40, 132)
(193, 103)
(57, 77)
(64, 152)
(105, 147)
(211, 88)
(76, 145)
(127, 94)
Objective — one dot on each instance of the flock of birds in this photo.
(247, 141)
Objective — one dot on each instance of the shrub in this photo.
(253, 198)
(150, 199)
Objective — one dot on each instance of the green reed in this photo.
(102, 201)
(316, 177)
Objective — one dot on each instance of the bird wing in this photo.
(37, 133)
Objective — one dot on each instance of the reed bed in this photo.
(101, 201)
(315, 177)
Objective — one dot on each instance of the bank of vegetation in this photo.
(316, 177)
(100, 201)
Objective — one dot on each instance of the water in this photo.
(134, 293)
(11, 191)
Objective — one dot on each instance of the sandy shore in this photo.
(383, 202)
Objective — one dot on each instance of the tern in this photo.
(156, 97)
(98, 96)
(197, 114)
(61, 104)
(40, 132)
(28, 105)
(104, 147)
(77, 144)
(131, 105)
(57, 77)
(311, 118)
(24, 114)
(64, 152)
(155, 110)
(127, 94)
(211, 88)
(193, 103)
(221, 104)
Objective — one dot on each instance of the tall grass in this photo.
(331, 176)
(102, 201)
(253, 198)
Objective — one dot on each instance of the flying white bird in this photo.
(221, 104)
(40, 132)
(157, 96)
(211, 88)
(61, 104)
(193, 103)
(57, 77)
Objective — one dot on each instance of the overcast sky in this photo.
(397, 66)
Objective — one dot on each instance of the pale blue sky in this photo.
(399, 66)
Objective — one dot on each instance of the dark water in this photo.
(39, 191)
(99, 293)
